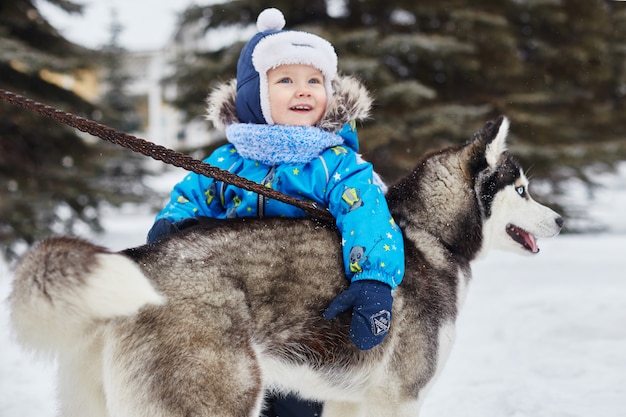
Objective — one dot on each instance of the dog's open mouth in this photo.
(522, 237)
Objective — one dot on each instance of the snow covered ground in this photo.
(541, 336)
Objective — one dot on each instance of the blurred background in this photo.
(537, 337)
(438, 69)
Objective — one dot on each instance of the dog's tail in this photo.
(64, 287)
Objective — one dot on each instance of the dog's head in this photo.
(513, 221)
(472, 198)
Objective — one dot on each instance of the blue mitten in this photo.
(160, 228)
(371, 315)
(164, 227)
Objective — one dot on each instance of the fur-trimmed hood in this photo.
(351, 101)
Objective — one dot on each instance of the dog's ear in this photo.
(495, 133)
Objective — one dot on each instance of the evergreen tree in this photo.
(51, 180)
(440, 68)
(120, 110)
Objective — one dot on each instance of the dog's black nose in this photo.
(559, 221)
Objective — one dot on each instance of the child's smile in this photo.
(297, 95)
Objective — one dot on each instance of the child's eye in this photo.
(315, 81)
(285, 80)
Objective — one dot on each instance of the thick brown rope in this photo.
(159, 152)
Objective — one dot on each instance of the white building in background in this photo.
(163, 124)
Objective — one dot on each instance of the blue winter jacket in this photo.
(310, 163)
(334, 177)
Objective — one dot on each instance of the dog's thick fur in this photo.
(200, 324)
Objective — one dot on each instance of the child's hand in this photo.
(164, 227)
(371, 316)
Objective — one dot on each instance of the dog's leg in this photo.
(393, 408)
(190, 389)
(188, 367)
(378, 404)
(79, 386)
(343, 409)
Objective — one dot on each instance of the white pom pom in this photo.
(270, 19)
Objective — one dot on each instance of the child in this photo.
(290, 121)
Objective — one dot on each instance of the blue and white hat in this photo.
(270, 48)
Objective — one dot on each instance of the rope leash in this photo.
(159, 152)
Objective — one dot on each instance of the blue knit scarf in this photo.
(280, 144)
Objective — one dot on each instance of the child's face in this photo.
(297, 95)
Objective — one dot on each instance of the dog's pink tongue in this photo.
(531, 242)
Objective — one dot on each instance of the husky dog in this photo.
(203, 322)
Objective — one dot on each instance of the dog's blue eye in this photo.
(521, 190)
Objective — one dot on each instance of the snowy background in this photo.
(539, 336)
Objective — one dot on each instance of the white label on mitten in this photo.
(380, 322)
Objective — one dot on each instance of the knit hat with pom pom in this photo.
(268, 49)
